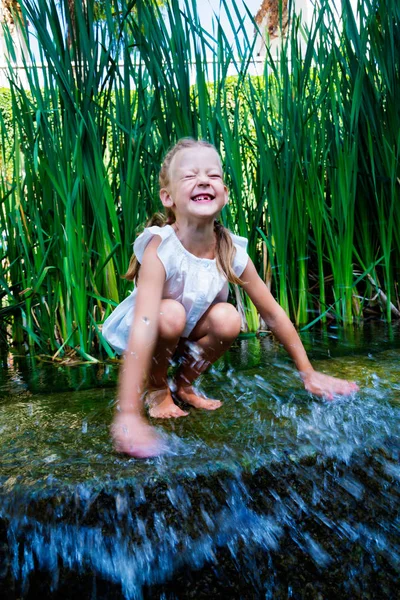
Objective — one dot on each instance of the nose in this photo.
(203, 179)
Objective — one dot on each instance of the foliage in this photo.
(310, 150)
(6, 126)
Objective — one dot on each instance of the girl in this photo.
(182, 267)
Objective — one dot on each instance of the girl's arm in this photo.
(281, 326)
(130, 430)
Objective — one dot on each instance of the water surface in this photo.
(275, 495)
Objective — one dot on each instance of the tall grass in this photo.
(310, 151)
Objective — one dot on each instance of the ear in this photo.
(166, 198)
(226, 195)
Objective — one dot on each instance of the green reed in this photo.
(310, 150)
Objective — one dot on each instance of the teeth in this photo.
(201, 198)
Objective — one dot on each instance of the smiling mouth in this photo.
(203, 198)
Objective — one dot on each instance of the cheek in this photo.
(185, 190)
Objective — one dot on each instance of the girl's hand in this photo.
(134, 436)
(327, 386)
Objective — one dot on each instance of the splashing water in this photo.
(274, 495)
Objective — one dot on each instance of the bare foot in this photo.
(187, 394)
(134, 436)
(162, 406)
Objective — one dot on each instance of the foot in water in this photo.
(161, 405)
(190, 396)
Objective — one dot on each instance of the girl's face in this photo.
(196, 190)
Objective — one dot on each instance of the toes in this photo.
(156, 414)
(177, 414)
(210, 404)
(173, 413)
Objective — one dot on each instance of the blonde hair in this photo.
(225, 250)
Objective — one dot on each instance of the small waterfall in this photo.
(276, 495)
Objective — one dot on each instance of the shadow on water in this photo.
(275, 495)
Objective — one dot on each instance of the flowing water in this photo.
(275, 495)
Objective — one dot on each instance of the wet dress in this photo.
(194, 282)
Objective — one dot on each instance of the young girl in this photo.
(182, 267)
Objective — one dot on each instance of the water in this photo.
(275, 495)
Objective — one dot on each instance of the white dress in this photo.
(194, 282)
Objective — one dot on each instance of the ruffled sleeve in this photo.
(164, 251)
(241, 256)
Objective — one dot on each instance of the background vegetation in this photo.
(310, 150)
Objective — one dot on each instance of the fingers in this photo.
(139, 449)
(136, 438)
(328, 387)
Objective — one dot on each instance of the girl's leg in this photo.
(213, 335)
(158, 396)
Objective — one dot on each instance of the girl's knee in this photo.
(172, 319)
(225, 321)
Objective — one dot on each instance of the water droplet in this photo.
(195, 350)
(121, 504)
(172, 385)
(50, 458)
(146, 320)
